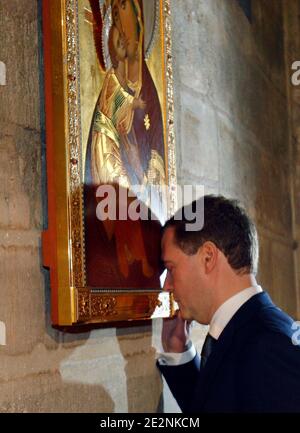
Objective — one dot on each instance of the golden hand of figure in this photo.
(139, 103)
(122, 129)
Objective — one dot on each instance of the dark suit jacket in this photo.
(254, 366)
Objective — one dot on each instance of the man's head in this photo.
(207, 266)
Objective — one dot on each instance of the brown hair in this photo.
(226, 224)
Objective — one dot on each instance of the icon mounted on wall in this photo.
(110, 136)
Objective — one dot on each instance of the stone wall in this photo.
(234, 135)
(42, 369)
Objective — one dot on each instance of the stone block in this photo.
(23, 308)
(187, 178)
(144, 392)
(87, 366)
(273, 201)
(14, 205)
(251, 104)
(20, 98)
(265, 275)
(192, 48)
(283, 289)
(268, 34)
(199, 141)
(20, 173)
(279, 146)
(47, 392)
(119, 365)
(237, 163)
(2, 74)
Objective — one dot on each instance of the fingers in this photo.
(142, 103)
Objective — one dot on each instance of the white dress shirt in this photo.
(218, 322)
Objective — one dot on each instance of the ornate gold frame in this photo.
(63, 242)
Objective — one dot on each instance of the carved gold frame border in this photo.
(115, 306)
(76, 302)
(74, 145)
(172, 177)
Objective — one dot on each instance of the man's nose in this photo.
(168, 286)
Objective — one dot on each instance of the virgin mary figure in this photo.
(125, 148)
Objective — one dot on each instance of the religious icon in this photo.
(125, 147)
(108, 76)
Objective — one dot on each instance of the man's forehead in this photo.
(168, 236)
(168, 243)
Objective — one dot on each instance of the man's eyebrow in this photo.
(167, 261)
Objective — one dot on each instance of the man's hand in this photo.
(175, 334)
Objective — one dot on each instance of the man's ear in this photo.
(208, 255)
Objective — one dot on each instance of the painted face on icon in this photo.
(118, 44)
(125, 19)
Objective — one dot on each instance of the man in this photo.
(249, 362)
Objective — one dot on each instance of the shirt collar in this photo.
(227, 310)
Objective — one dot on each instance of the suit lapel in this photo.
(243, 315)
(214, 362)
